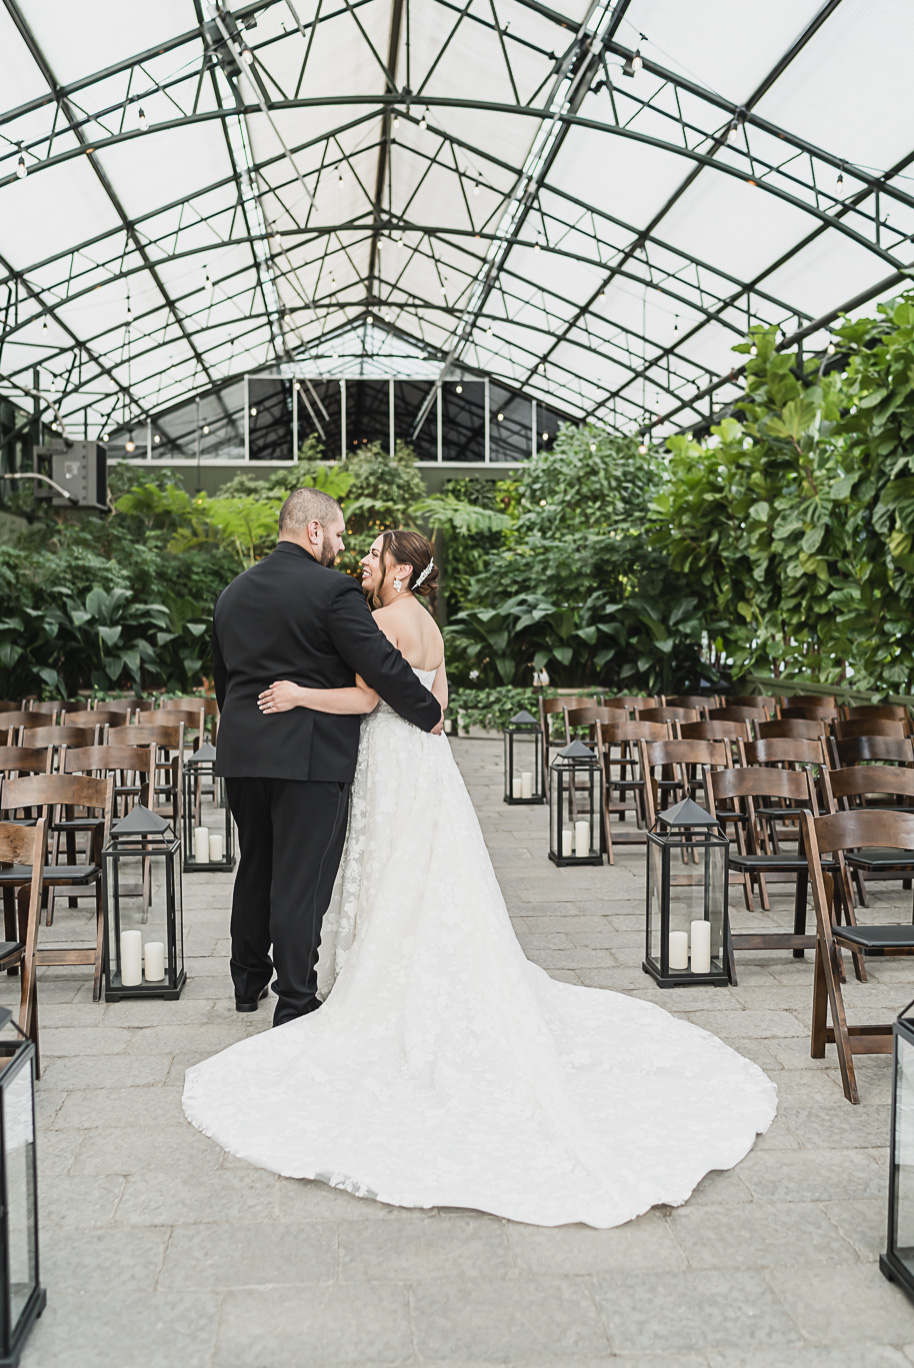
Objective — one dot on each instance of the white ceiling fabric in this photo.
(209, 191)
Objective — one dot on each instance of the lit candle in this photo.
(526, 784)
(131, 958)
(216, 847)
(679, 950)
(582, 840)
(201, 845)
(701, 947)
(515, 788)
(154, 961)
(567, 842)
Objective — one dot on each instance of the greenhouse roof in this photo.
(591, 202)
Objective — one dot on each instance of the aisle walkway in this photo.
(158, 1249)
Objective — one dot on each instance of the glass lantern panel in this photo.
(557, 820)
(654, 898)
(523, 762)
(138, 891)
(702, 897)
(19, 1163)
(904, 1153)
(205, 808)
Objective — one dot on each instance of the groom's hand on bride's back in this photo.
(439, 727)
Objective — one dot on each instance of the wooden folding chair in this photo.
(22, 853)
(623, 737)
(733, 713)
(669, 714)
(739, 789)
(40, 737)
(550, 708)
(766, 701)
(810, 712)
(700, 702)
(783, 751)
(579, 718)
(836, 834)
(193, 703)
(95, 717)
(126, 706)
(53, 791)
(879, 712)
(810, 700)
(678, 762)
(631, 702)
(716, 729)
(168, 740)
(853, 789)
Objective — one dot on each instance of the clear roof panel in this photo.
(500, 184)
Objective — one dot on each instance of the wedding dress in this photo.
(444, 1069)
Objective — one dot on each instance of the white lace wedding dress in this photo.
(444, 1069)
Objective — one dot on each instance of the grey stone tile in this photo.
(835, 1356)
(765, 1235)
(862, 1221)
(81, 1040)
(301, 1200)
(79, 1201)
(156, 1012)
(131, 1149)
(106, 1071)
(357, 1326)
(803, 1176)
(447, 1246)
(721, 1188)
(853, 1305)
(538, 1317)
(839, 1127)
(647, 1242)
(56, 1151)
(250, 1255)
(76, 1260)
(170, 1198)
(761, 1024)
(119, 1107)
(692, 1310)
(143, 1329)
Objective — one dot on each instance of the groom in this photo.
(287, 776)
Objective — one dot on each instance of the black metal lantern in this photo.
(575, 807)
(688, 927)
(523, 760)
(209, 832)
(144, 929)
(897, 1263)
(23, 1298)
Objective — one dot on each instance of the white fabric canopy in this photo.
(546, 193)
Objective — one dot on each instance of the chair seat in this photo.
(790, 863)
(876, 937)
(880, 857)
(51, 874)
(10, 950)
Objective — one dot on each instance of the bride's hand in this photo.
(281, 696)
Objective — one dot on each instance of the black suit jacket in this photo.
(290, 618)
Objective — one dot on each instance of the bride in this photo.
(443, 1068)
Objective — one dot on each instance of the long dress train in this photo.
(444, 1069)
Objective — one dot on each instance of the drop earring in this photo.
(398, 584)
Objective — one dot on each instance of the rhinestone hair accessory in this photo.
(425, 573)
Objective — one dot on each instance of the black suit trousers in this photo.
(290, 838)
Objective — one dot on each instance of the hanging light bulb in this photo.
(339, 179)
(21, 169)
(129, 312)
(130, 444)
(460, 389)
(753, 350)
(141, 119)
(637, 60)
(209, 284)
(44, 326)
(732, 132)
(157, 439)
(642, 448)
(476, 187)
(536, 245)
(396, 119)
(205, 429)
(500, 417)
(423, 122)
(104, 436)
(830, 348)
(542, 368)
(247, 55)
(253, 413)
(840, 178)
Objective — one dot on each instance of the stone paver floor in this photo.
(157, 1248)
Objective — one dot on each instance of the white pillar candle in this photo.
(448, 726)
(567, 842)
(679, 950)
(201, 845)
(131, 958)
(526, 784)
(216, 847)
(154, 961)
(701, 947)
(515, 788)
(582, 840)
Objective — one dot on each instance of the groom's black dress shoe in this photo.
(243, 1006)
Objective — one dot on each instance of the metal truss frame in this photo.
(484, 318)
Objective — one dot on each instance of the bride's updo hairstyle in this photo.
(408, 548)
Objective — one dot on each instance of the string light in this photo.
(830, 348)
(253, 413)
(396, 120)
(157, 439)
(637, 60)
(141, 119)
(205, 429)
(44, 326)
(21, 169)
(732, 131)
(339, 179)
(104, 436)
(247, 55)
(423, 122)
(476, 187)
(130, 445)
(460, 389)
(129, 312)
(642, 449)
(500, 417)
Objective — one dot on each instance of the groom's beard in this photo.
(326, 557)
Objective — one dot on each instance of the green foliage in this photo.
(576, 588)
(794, 526)
(467, 524)
(492, 709)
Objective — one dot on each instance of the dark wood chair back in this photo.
(766, 701)
(20, 717)
(700, 702)
(170, 736)
(858, 750)
(668, 714)
(783, 750)
(49, 707)
(25, 760)
(131, 766)
(868, 726)
(631, 702)
(57, 736)
(730, 785)
(191, 704)
(737, 713)
(714, 729)
(56, 790)
(882, 712)
(24, 846)
(620, 733)
(794, 728)
(94, 717)
(193, 719)
(811, 712)
(810, 700)
(587, 717)
(857, 782)
(127, 705)
(678, 759)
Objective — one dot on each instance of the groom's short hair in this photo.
(304, 506)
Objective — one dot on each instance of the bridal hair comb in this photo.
(425, 573)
